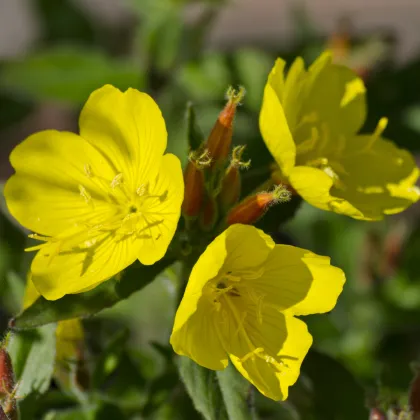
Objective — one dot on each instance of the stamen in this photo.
(34, 248)
(89, 243)
(310, 143)
(161, 197)
(241, 323)
(118, 179)
(251, 274)
(39, 237)
(252, 353)
(83, 192)
(222, 290)
(88, 170)
(259, 309)
(141, 191)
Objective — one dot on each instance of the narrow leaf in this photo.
(235, 391)
(33, 358)
(86, 304)
(194, 134)
(202, 386)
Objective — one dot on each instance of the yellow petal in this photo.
(368, 178)
(247, 247)
(379, 177)
(335, 95)
(292, 100)
(51, 167)
(269, 354)
(275, 131)
(239, 247)
(299, 281)
(199, 337)
(128, 129)
(314, 186)
(276, 78)
(31, 294)
(163, 211)
(80, 261)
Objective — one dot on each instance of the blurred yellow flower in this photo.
(309, 121)
(240, 303)
(102, 199)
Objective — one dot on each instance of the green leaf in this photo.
(87, 413)
(80, 305)
(194, 134)
(109, 359)
(202, 386)
(253, 67)
(235, 391)
(68, 74)
(90, 412)
(33, 358)
(337, 394)
(207, 79)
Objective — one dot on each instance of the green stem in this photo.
(264, 170)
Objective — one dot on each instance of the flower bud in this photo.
(231, 184)
(194, 183)
(253, 208)
(7, 378)
(209, 214)
(7, 386)
(220, 138)
(231, 188)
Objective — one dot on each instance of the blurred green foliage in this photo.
(362, 350)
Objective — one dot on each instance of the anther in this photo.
(39, 237)
(118, 179)
(88, 170)
(252, 354)
(83, 192)
(141, 190)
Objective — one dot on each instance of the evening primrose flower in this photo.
(240, 304)
(101, 199)
(310, 121)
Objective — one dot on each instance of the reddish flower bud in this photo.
(220, 138)
(209, 214)
(7, 378)
(231, 188)
(7, 387)
(231, 184)
(194, 183)
(253, 208)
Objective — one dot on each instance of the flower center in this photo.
(114, 212)
(236, 300)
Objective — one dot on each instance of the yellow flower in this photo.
(241, 301)
(69, 334)
(310, 121)
(102, 199)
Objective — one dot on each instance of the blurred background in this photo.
(53, 53)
